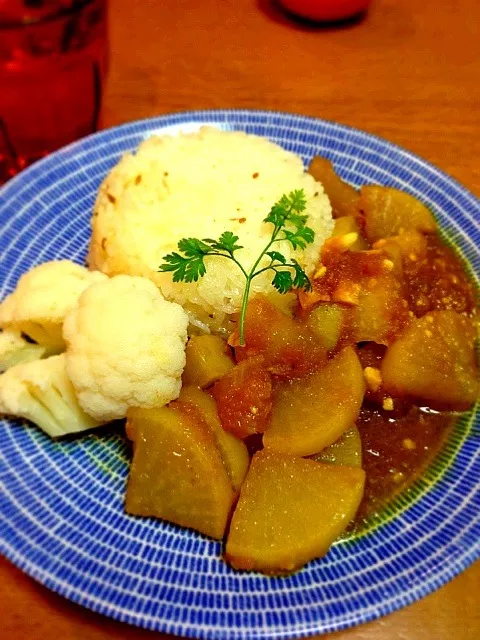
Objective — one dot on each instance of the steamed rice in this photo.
(199, 185)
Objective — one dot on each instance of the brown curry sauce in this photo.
(396, 451)
(439, 281)
(399, 445)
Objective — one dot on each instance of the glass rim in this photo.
(75, 8)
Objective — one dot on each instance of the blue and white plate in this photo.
(61, 507)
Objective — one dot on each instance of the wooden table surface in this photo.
(410, 72)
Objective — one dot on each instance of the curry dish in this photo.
(341, 405)
(283, 376)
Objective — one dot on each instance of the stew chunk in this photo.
(389, 211)
(177, 472)
(233, 450)
(434, 362)
(244, 398)
(343, 197)
(289, 348)
(290, 511)
(346, 451)
(207, 360)
(327, 321)
(310, 414)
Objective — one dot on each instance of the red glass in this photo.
(53, 61)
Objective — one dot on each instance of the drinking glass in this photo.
(53, 62)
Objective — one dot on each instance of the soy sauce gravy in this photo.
(399, 445)
(396, 451)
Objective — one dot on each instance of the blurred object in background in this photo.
(325, 10)
(53, 61)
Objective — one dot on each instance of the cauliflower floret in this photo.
(125, 347)
(42, 299)
(14, 349)
(41, 391)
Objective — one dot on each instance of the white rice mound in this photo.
(199, 185)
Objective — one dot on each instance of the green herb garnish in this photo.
(289, 224)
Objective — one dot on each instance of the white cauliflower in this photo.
(14, 349)
(125, 347)
(42, 299)
(41, 391)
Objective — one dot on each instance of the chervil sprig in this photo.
(191, 266)
(289, 224)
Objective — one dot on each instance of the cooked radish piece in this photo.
(208, 359)
(434, 362)
(177, 472)
(389, 212)
(310, 414)
(346, 451)
(326, 321)
(290, 511)
(233, 450)
(343, 197)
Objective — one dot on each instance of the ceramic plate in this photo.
(61, 509)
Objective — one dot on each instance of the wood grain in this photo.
(409, 72)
